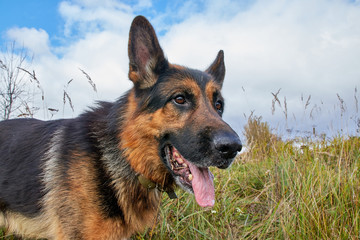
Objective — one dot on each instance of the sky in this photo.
(309, 50)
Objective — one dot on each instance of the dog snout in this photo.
(227, 143)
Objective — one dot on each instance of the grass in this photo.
(294, 189)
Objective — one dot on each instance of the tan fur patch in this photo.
(145, 79)
(141, 131)
(138, 139)
(83, 198)
(30, 227)
(176, 66)
(210, 89)
(205, 111)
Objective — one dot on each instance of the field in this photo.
(276, 189)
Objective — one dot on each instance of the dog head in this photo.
(176, 117)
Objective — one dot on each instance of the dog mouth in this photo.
(194, 179)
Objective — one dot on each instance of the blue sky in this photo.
(45, 15)
(303, 47)
(34, 13)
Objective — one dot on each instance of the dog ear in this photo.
(146, 57)
(217, 68)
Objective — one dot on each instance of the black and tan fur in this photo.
(78, 178)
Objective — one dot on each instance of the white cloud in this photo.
(84, 16)
(303, 47)
(103, 56)
(35, 40)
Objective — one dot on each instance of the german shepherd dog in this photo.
(100, 175)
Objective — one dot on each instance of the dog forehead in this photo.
(201, 78)
(187, 78)
(178, 81)
(204, 82)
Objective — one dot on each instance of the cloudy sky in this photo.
(309, 50)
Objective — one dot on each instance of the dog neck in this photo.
(147, 183)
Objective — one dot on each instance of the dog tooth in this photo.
(176, 155)
(180, 160)
(185, 165)
(190, 177)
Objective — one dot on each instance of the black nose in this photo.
(227, 143)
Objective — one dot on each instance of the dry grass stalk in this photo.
(285, 110)
(307, 102)
(342, 105)
(67, 97)
(275, 100)
(34, 78)
(91, 82)
(356, 101)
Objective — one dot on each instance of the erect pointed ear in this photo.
(217, 68)
(146, 57)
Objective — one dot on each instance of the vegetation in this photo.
(16, 92)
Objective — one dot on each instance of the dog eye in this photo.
(219, 106)
(180, 99)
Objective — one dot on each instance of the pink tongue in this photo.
(203, 185)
